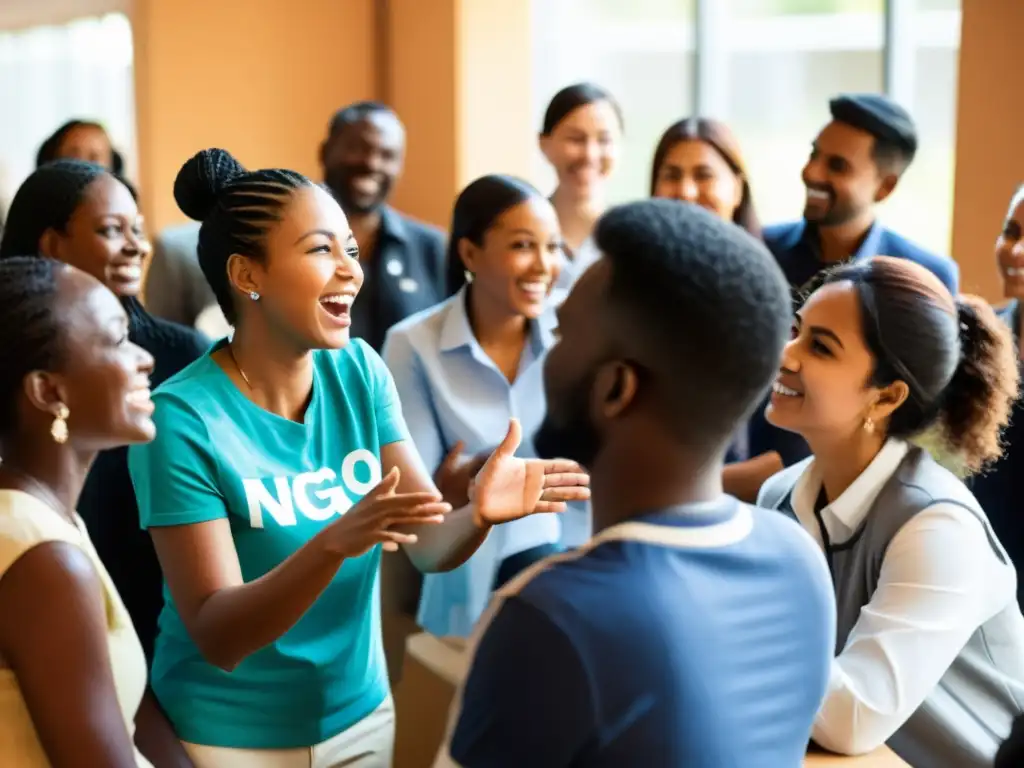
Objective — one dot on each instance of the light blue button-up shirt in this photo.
(573, 268)
(451, 390)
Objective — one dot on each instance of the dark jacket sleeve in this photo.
(1011, 753)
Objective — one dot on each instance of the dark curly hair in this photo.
(955, 355)
(705, 307)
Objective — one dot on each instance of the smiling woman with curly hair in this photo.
(930, 639)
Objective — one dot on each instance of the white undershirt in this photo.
(940, 580)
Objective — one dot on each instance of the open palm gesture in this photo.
(508, 487)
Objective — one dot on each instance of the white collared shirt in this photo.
(940, 580)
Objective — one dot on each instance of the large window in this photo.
(642, 51)
(51, 74)
(768, 69)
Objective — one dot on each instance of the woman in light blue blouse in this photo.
(464, 367)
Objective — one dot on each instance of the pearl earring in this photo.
(59, 428)
(254, 296)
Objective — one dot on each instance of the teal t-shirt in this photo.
(219, 455)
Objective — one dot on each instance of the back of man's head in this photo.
(702, 306)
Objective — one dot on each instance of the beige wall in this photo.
(459, 76)
(257, 77)
(989, 163)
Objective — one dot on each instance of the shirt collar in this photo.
(392, 225)
(868, 248)
(456, 331)
(853, 504)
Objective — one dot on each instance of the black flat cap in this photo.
(878, 115)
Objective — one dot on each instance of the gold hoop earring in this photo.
(59, 428)
(869, 425)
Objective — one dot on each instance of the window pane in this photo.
(783, 61)
(796, 7)
(49, 75)
(922, 206)
(642, 51)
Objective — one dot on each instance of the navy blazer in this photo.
(404, 274)
(795, 246)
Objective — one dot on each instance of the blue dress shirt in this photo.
(795, 246)
(451, 390)
(573, 268)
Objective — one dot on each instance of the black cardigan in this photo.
(108, 505)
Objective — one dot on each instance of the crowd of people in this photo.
(689, 490)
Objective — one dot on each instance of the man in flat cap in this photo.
(856, 161)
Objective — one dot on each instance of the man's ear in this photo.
(615, 388)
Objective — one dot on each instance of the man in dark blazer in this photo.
(856, 162)
(402, 259)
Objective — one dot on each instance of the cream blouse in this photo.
(24, 523)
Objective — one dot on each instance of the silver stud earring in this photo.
(254, 296)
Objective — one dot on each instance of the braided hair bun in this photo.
(201, 180)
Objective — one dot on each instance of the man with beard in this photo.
(402, 259)
(692, 630)
(856, 162)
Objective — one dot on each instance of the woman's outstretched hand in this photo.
(508, 488)
(375, 518)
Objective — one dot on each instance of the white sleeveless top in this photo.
(24, 523)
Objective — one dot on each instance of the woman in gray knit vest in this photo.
(930, 639)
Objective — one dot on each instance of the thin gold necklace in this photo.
(234, 360)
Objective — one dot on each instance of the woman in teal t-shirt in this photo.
(280, 471)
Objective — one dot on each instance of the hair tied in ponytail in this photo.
(972, 331)
(979, 398)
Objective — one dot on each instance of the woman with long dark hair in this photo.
(698, 160)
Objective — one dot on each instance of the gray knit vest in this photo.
(967, 715)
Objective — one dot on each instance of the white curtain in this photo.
(52, 74)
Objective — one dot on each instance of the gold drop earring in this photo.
(869, 425)
(59, 428)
